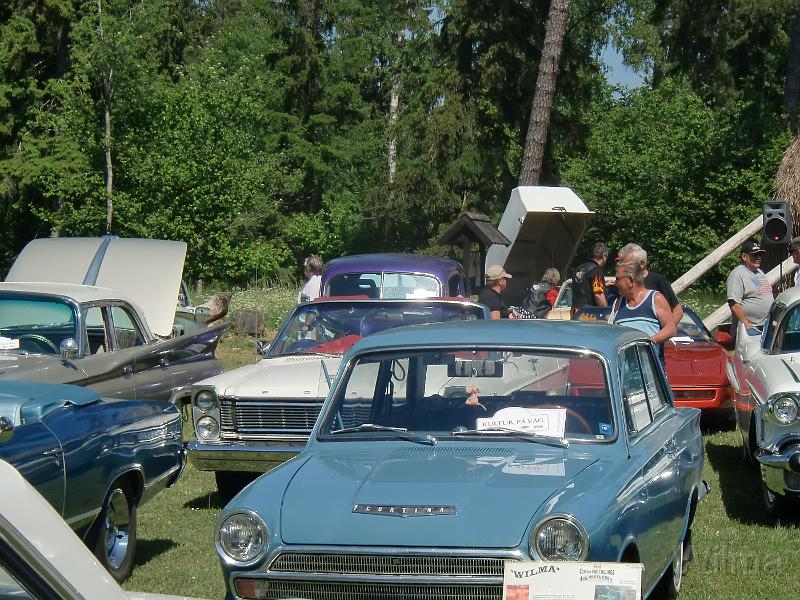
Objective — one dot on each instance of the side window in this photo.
(453, 286)
(126, 334)
(788, 337)
(634, 394)
(656, 397)
(96, 331)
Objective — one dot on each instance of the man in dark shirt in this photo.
(652, 280)
(496, 281)
(588, 281)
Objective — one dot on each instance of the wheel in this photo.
(230, 483)
(748, 447)
(670, 585)
(113, 535)
(774, 504)
(40, 340)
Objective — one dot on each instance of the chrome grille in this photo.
(245, 416)
(379, 591)
(387, 564)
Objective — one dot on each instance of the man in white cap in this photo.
(496, 281)
(749, 291)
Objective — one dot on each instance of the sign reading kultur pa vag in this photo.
(572, 581)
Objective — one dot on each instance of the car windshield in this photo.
(332, 327)
(460, 393)
(690, 326)
(384, 285)
(35, 325)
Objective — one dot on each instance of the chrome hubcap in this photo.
(117, 528)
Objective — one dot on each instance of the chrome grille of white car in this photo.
(253, 417)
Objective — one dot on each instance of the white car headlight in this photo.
(242, 538)
(560, 537)
(207, 428)
(206, 401)
(785, 409)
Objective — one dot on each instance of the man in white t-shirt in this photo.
(749, 291)
(794, 249)
(313, 270)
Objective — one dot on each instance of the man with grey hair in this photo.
(652, 280)
(641, 308)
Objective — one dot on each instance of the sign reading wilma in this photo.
(572, 581)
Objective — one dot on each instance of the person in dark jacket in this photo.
(588, 281)
(540, 297)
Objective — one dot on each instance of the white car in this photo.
(765, 375)
(40, 556)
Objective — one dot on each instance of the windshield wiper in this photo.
(523, 435)
(404, 434)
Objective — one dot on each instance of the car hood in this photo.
(146, 273)
(297, 376)
(480, 481)
(695, 363)
(39, 367)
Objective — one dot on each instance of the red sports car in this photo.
(695, 364)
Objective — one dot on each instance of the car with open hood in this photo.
(251, 419)
(765, 374)
(95, 460)
(41, 558)
(101, 313)
(445, 450)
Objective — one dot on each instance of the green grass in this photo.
(739, 554)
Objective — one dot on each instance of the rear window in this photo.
(384, 285)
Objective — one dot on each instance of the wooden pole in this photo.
(693, 274)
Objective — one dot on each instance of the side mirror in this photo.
(6, 430)
(263, 346)
(69, 348)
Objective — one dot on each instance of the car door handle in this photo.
(163, 361)
(671, 448)
(127, 370)
(53, 452)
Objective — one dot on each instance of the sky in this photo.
(619, 73)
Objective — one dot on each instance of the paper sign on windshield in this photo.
(572, 581)
(8, 343)
(544, 421)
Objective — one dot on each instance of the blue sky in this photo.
(619, 73)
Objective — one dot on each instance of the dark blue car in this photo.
(95, 460)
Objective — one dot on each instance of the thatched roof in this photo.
(787, 181)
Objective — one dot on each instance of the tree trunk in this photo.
(792, 89)
(107, 88)
(545, 91)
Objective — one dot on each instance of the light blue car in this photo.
(444, 450)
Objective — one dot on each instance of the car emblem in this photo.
(393, 510)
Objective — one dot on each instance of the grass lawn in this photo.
(739, 554)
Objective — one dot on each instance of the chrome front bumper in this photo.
(781, 470)
(240, 456)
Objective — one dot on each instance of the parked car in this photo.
(444, 450)
(393, 276)
(562, 307)
(765, 374)
(41, 557)
(696, 364)
(253, 418)
(95, 312)
(94, 460)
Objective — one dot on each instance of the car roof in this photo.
(79, 293)
(598, 337)
(389, 262)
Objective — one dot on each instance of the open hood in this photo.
(142, 271)
(545, 226)
(478, 480)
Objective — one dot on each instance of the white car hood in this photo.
(296, 376)
(146, 273)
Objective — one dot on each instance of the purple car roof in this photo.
(391, 263)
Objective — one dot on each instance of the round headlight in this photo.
(242, 537)
(560, 538)
(207, 428)
(206, 401)
(785, 410)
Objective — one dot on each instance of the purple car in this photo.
(394, 276)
